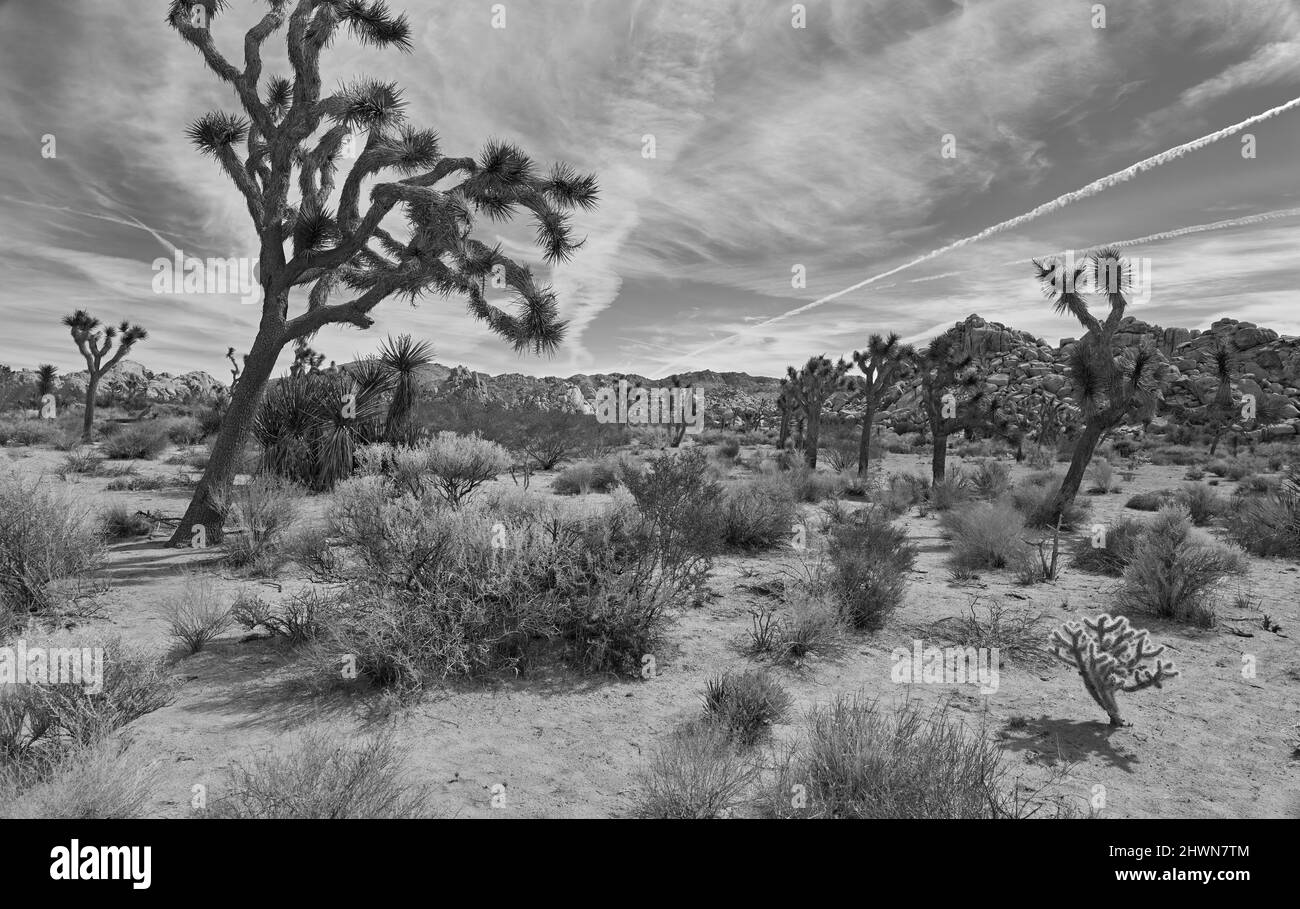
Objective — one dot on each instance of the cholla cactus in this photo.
(1111, 656)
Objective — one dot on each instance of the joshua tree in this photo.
(45, 376)
(945, 374)
(403, 357)
(94, 345)
(234, 367)
(808, 389)
(1220, 411)
(283, 152)
(306, 362)
(785, 405)
(880, 364)
(1109, 389)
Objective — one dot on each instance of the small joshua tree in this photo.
(945, 373)
(1111, 656)
(881, 362)
(235, 368)
(1220, 412)
(808, 390)
(94, 345)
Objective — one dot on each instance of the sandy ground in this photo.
(1210, 744)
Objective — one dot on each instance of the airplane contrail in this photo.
(1246, 221)
(1092, 189)
(130, 220)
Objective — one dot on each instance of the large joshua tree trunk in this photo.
(811, 438)
(1084, 447)
(88, 418)
(864, 444)
(785, 428)
(939, 458)
(205, 507)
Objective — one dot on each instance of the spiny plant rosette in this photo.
(95, 344)
(284, 153)
(1111, 657)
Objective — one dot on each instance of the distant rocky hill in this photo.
(1013, 364)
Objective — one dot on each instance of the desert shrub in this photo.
(29, 432)
(952, 491)
(985, 534)
(813, 486)
(311, 547)
(1012, 633)
(1035, 503)
(1150, 501)
(746, 704)
(43, 726)
(810, 625)
(1194, 474)
(758, 514)
(198, 616)
(451, 465)
(1268, 525)
(1203, 504)
(323, 778)
(89, 782)
(586, 477)
(989, 479)
(209, 420)
(1176, 455)
(1173, 574)
(870, 560)
(729, 448)
(1240, 469)
(1219, 468)
(1254, 484)
(138, 441)
(118, 522)
(1039, 458)
(1112, 557)
(80, 461)
(681, 508)
(1101, 476)
(696, 774)
(264, 509)
(185, 431)
(858, 759)
(45, 537)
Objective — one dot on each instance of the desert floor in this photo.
(1212, 743)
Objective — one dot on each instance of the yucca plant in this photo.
(95, 344)
(309, 426)
(284, 152)
(1108, 388)
(403, 357)
(45, 375)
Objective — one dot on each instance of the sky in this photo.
(877, 133)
